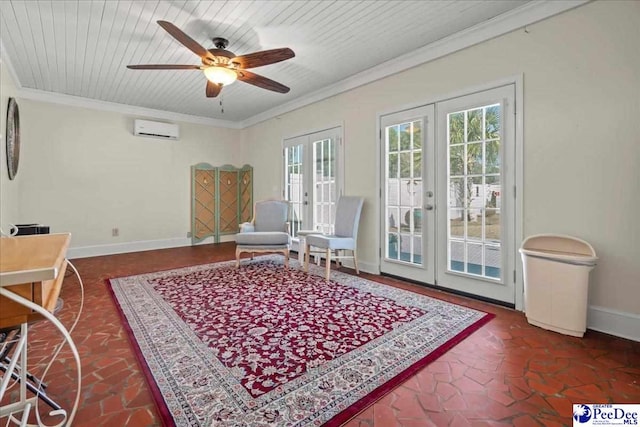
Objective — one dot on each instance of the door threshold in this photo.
(453, 291)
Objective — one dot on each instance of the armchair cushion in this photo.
(331, 242)
(259, 238)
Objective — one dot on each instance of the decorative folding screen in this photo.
(221, 199)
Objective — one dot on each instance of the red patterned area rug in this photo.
(265, 346)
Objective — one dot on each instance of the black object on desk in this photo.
(29, 229)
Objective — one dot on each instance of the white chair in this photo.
(268, 231)
(345, 236)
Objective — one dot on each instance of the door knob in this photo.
(429, 207)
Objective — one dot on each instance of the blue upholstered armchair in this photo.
(345, 237)
(268, 231)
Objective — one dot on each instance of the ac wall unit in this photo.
(156, 129)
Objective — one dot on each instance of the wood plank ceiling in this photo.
(81, 48)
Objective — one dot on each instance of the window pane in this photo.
(392, 246)
(404, 220)
(492, 122)
(492, 225)
(393, 165)
(405, 136)
(417, 220)
(474, 125)
(474, 158)
(474, 258)
(405, 247)
(493, 156)
(474, 224)
(392, 138)
(493, 191)
(406, 189)
(456, 223)
(405, 165)
(456, 160)
(417, 250)
(456, 192)
(392, 192)
(492, 261)
(417, 134)
(456, 128)
(417, 164)
(475, 193)
(456, 256)
(392, 219)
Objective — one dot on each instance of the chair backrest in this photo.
(271, 215)
(348, 216)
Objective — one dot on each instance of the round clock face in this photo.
(13, 138)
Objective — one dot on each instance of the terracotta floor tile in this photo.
(506, 373)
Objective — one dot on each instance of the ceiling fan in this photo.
(222, 67)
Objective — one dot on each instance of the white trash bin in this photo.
(556, 282)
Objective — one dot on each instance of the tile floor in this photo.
(506, 373)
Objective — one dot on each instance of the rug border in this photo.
(386, 388)
(340, 418)
(164, 413)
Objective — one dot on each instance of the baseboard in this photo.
(614, 322)
(120, 248)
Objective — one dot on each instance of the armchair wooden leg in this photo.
(307, 250)
(338, 262)
(286, 258)
(328, 266)
(237, 257)
(302, 250)
(355, 260)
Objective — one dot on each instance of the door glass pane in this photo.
(456, 256)
(456, 192)
(403, 200)
(294, 186)
(474, 191)
(456, 128)
(324, 194)
(456, 223)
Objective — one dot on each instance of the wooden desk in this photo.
(32, 267)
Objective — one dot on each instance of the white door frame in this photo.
(518, 81)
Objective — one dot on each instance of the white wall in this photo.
(83, 171)
(581, 127)
(8, 188)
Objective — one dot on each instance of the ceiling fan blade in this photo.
(265, 57)
(164, 67)
(260, 81)
(190, 43)
(213, 89)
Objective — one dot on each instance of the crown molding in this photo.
(77, 101)
(527, 14)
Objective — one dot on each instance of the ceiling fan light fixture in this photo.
(220, 75)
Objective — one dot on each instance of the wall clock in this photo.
(13, 138)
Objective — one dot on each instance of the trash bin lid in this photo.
(560, 248)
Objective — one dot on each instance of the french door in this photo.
(312, 179)
(408, 222)
(448, 194)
